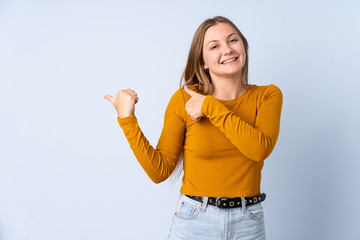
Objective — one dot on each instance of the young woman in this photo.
(224, 129)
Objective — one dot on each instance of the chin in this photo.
(232, 73)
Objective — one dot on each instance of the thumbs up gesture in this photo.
(193, 106)
(124, 102)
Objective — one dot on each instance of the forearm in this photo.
(157, 164)
(254, 141)
(251, 142)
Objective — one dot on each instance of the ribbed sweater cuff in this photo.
(126, 120)
(205, 104)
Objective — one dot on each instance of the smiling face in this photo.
(223, 51)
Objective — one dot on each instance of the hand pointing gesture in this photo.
(124, 102)
(193, 106)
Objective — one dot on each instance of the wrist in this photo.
(124, 114)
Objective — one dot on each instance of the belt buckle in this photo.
(218, 201)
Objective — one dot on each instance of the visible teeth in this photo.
(230, 60)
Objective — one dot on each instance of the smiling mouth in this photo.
(230, 60)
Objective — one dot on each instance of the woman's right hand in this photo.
(124, 102)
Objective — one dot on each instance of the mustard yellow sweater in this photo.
(223, 153)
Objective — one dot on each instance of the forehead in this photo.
(218, 32)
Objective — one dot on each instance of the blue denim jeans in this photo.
(194, 220)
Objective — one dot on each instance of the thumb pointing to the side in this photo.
(110, 98)
(189, 91)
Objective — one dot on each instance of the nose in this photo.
(228, 50)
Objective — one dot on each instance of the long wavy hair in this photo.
(195, 74)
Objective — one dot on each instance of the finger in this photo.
(132, 94)
(136, 99)
(118, 93)
(189, 91)
(110, 98)
(129, 90)
(196, 118)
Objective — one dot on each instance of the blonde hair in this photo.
(195, 74)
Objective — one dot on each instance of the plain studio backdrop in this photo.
(66, 168)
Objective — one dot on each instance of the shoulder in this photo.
(176, 105)
(179, 96)
(266, 91)
(178, 99)
(183, 94)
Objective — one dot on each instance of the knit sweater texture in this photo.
(223, 153)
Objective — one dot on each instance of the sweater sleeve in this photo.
(255, 142)
(160, 162)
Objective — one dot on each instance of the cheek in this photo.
(242, 55)
(243, 59)
(213, 57)
(208, 58)
(240, 49)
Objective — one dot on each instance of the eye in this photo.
(233, 40)
(213, 47)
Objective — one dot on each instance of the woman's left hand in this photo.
(193, 106)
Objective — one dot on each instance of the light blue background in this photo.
(66, 169)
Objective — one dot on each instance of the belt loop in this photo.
(243, 205)
(204, 204)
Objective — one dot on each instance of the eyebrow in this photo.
(218, 40)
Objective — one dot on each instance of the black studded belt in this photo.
(226, 202)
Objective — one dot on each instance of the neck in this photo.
(227, 88)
